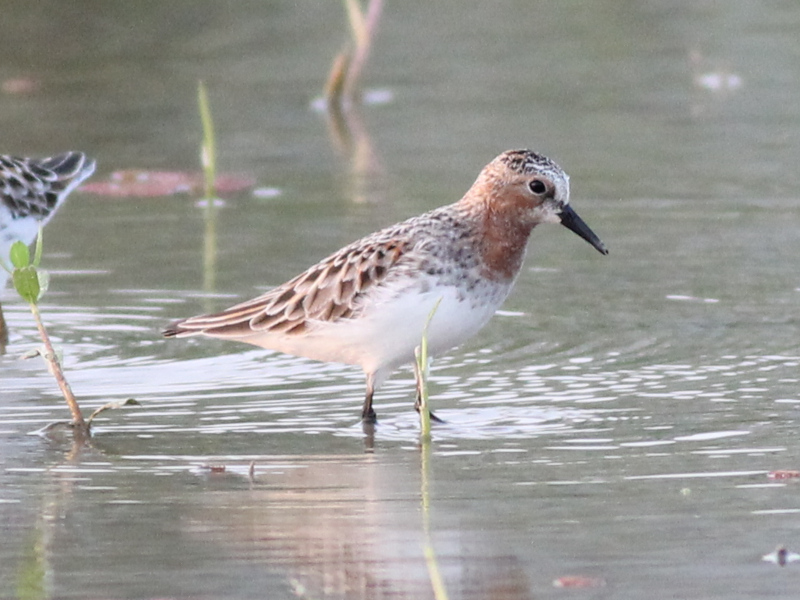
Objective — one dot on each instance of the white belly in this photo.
(384, 336)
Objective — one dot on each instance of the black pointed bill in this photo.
(571, 220)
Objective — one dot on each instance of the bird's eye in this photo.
(538, 187)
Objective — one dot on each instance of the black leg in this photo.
(367, 413)
(418, 406)
(369, 416)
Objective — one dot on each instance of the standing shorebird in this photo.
(368, 303)
(31, 190)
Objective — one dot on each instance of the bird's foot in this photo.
(433, 417)
(369, 417)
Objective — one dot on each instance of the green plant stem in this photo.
(208, 160)
(55, 368)
(421, 372)
(208, 149)
(437, 582)
(210, 246)
(421, 369)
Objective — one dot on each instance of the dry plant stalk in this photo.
(342, 87)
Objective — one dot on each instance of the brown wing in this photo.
(328, 291)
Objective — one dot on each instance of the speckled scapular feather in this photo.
(34, 187)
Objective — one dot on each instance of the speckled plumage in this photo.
(31, 190)
(31, 187)
(368, 303)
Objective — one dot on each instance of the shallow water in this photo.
(618, 420)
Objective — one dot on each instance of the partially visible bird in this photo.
(31, 191)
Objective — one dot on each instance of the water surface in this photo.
(618, 420)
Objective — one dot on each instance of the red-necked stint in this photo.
(368, 303)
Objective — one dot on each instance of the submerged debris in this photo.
(578, 581)
(150, 184)
(783, 474)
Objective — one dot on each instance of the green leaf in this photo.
(33, 353)
(37, 253)
(20, 255)
(26, 282)
(44, 281)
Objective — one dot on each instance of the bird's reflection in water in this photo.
(349, 527)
